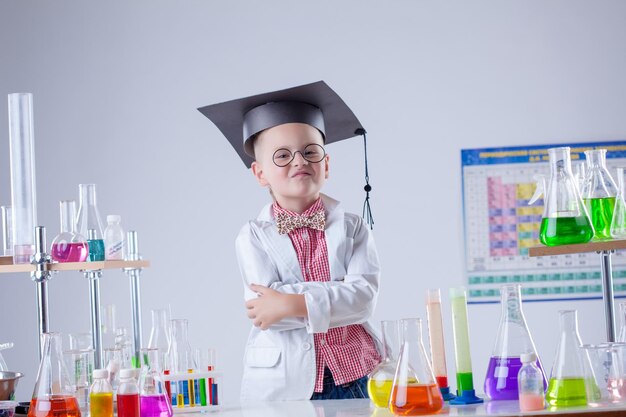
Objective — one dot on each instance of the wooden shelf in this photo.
(6, 265)
(613, 244)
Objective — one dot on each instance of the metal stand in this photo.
(135, 294)
(607, 294)
(41, 275)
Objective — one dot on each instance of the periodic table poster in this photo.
(500, 226)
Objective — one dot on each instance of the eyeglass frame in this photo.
(293, 155)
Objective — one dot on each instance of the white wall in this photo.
(116, 85)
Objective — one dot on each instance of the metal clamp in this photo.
(40, 259)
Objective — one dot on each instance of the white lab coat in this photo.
(279, 363)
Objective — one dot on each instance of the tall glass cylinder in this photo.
(7, 233)
(23, 190)
(437, 345)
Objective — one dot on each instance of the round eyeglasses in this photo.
(312, 153)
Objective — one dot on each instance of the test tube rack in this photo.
(186, 378)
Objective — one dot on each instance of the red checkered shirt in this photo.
(349, 352)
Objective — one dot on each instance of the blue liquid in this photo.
(96, 250)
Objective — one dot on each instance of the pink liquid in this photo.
(70, 252)
(155, 406)
(531, 402)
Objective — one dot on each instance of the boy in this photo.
(310, 270)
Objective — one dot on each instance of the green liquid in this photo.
(464, 381)
(566, 392)
(565, 230)
(601, 212)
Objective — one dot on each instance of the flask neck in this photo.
(596, 159)
(511, 301)
(87, 193)
(390, 340)
(68, 216)
(568, 321)
(560, 160)
(179, 331)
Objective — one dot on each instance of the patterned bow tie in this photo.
(287, 223)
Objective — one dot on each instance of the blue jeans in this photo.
(354, 389)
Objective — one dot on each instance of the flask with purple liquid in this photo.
(153, 397)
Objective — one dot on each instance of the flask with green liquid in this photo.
(599, 192)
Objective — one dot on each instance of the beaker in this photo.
(380, 380)
(152, 394)
(618, 223)
(565, 219)
(88, 222)
(80, 363)
(599, 193)
(512, 340)
(160, 335)
(566, 387)
(437, 345)
(54, 394)
(7, 233)
(414, 390)
(69, 246)
(604, 377)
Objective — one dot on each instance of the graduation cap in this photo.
(315, 104)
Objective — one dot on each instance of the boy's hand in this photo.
(272, 306)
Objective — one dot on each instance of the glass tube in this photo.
(7, 234)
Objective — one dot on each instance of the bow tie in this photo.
(287, 223)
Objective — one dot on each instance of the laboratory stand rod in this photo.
(607, 295)
(41, 276)
(94, 303)
(135, 290)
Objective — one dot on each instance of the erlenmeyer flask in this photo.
(69, 246)
(618, 223)
(567, 379)
(599, 193)
(512, 340)
(160, 335)
(565, 219)
(380, 380)
(414, 390)
(88, 222)
(437, 345)
(152, 395)
(54, 394)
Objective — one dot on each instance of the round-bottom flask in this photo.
(69, 246)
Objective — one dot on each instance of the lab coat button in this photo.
(306, 346)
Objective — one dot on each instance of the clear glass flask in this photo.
(152, 394)
(7, 233)
(180, 356)
(414, 390)
(380, 380)
(437, 345)
(565, 219)
(599, 193)
(530, 382)
(604, 373)
(69, 246)
(618, 223)
(88, 222)
(124, 343)
(160, 335)
(512, 340)
(101, 395)
(566, 387)
(54, 394)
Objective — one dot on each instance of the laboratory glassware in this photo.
(465, 393)
(565, 219)
(414, 390)
(152, 394)
(88, 221)
(604, 379)
(7, 233)
(125, 345)
(114, 239)
(109, 326)
(580, 174)
(80, 363)
(530, 382)
(599, 193)
(101, 395)
(437, 345)
(380, 380)
(23, 190)
(618, 223)
(621, 337)
(160, 335)
(180, 356)
(128, 394)
(512, 340)
(69, 246)
(566, 387)
(113, 361)
(54, 394)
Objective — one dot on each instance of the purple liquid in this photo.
(70, 252)
(501, 379)
(155, 406)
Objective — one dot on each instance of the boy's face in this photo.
(299, 180)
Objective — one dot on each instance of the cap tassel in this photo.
(367, 210)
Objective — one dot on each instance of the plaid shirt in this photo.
(349, 352)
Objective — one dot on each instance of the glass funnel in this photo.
(414, 390)
(88, 222)
(54, 394)
(380, 380)
(152, 394)
(437, 345)
(160, 335)
(69, 246)
(512, 341)
(618, 223)
(599, 193)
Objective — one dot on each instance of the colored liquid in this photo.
(203, 392)
(96, 250)
(127, 405)
(101, 404)
(531, 402)
(501, 378)
(70, 252)
(379, 391)
(442, 381)
(601, 212)
(155, 406)
(565, 230)
(566, 392)
(55, 406)
(414, 400)
(464, 381)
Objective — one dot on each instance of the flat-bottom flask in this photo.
(414, 390)
(380, 380)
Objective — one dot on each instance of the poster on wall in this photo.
(500, 226)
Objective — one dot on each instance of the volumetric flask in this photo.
(380, 380)
(88, 222)
(69, 246)
(566, 387)
(604, 377)
(618, 223)
(54, 394)
(7, 233)
(414, 390)
(152, 394)
(437, 345)
(599, 193)
(565, 219)
(512, 340)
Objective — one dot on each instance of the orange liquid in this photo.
(55, 406)
(415, 400)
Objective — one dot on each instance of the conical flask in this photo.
(599, 193)
(618, 223)
(88, 221)
(54, 394)
(69, 246)
(160, 335)
(380, 380)
(565, 219)
(153, 397)
(567, 379)
(414, 390)
(512, 341)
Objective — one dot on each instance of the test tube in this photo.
(7, 233)
(22, 159)
(464, 377)
(437, 346)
